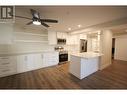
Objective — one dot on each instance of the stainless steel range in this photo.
(63, 55)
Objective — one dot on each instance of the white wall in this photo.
(121, 48)
(106, 48)
(6, 30)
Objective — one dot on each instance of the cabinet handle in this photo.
(42, 56)
(5, 63)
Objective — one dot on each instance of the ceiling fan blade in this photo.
(44, 24)
(35, 14)
(29, 23)
(49, 20)
(19, 16)
(22, 17)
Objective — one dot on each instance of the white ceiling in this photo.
(71, 16)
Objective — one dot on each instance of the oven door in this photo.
(63, 57)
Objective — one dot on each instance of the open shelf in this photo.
(30, 37)
(31, 41)
(34, 34)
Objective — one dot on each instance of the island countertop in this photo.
(87, 54)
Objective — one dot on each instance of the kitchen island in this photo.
(84, 64)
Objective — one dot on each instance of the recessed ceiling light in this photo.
(98, 32)
(89, 32)
(79, 25)
(69, 28)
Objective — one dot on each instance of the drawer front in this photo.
(53, 62)
(7, 61)
(7, 66)
(51, 58)
(7, 71)
(4, 64)
(51, 54)
(4, 59)
(50, 62)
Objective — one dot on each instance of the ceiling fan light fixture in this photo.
(69, 29)
(79, 25)
(36, 22)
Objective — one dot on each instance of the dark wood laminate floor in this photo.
(57, 77)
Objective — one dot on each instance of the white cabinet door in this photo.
(6, 33)
(21, 63)
(50, 59)
(72, 40)
(69, 40)
(25, 63)
(83, 36)
(64, 35)
(52, 37)
(30, 62)
(59, 35)
(46, 59)
(38, 61)
(75, 39)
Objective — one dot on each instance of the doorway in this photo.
(113, 47)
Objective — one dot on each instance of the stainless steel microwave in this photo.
(61, 41)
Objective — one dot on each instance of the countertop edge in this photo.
(16, 54)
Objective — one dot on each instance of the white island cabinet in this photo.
(84, 64)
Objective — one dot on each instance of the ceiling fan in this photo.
(36, 20)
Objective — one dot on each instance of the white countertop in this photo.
(13, 54)
(87, 54)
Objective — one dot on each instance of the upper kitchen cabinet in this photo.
(93, 42)
(61, 35)
(52, 37)
(6, 33)
(83, 36)
(72, 40)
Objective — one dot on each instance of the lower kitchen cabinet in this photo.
(22, 63)
(8, 66)
(38, 61)
(50, 59)
(28, 62)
